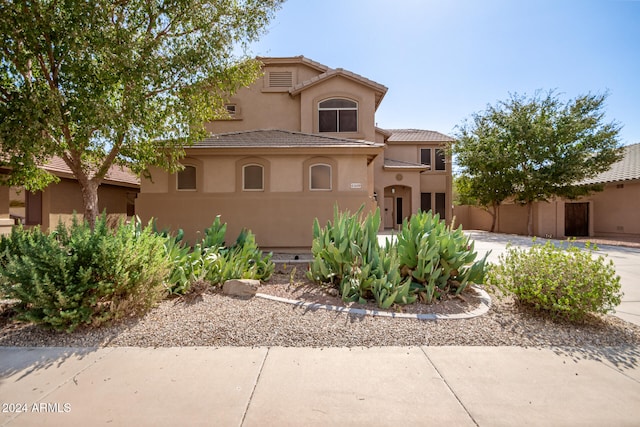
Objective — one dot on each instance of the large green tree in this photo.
(127, 82)
(535, 149)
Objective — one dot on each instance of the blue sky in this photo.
(443, 60)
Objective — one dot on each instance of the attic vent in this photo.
(280, 79)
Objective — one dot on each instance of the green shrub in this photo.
(565, 282)
(429, 259)
(209, 260)
(77, 276)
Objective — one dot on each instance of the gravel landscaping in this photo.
(214, 319)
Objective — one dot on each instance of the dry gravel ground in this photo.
(213, 319)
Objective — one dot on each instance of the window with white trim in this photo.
(187, 178)
(338, 115)
(320, 177)
(253, 177)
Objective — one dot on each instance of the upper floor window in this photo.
(231, 109)
(187, 178)
(440, 160)
(320, 175)
(252, 177)
(338, 115)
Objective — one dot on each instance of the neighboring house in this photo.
(611, 213)
(59, 201)
(298, 141)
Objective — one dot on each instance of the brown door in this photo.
(576, 219)
(33, 203)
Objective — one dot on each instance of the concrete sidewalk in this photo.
(385, 386)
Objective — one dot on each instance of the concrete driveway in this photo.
(626, 261)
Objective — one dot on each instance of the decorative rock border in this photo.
(485, 304)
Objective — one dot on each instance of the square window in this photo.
(348, 120)
(328, 121)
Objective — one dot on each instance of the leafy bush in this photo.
(429, 259)
(210, 260)
(436, 258)
(75, 275)
(565, 282)
(347, 255)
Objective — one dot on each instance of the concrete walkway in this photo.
(387, 386)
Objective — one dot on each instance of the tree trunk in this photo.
(530, 219)
(494, 217)
(90, 201)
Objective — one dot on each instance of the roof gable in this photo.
(379, 89)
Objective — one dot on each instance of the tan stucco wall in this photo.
(512, 219)
(279, 220)
(220, 173)
(281, 216)
(616, 211)
(612, 213)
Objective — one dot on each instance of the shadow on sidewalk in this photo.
(626, 357)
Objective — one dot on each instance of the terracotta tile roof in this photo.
(116, 175)
(626, 169)
(417, 135)
(274, 138)
(400, 164)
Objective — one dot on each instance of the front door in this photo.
(388, 212)
(576, 219)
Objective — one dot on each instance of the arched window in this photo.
(338, 115)
(320, 177)
(252, 177)
(187, 178)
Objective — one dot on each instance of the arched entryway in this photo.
(397, 205)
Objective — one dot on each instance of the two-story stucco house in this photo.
(298, 141)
